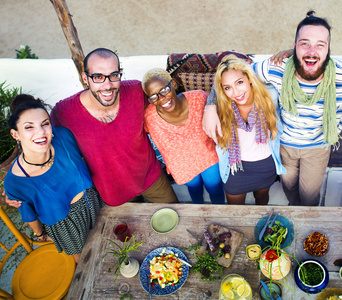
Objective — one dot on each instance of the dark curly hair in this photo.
(22, 103)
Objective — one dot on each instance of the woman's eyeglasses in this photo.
(163, 92)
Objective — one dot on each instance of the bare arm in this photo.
(38, 230)
(10, 202)
(211, 122)
(277, 59)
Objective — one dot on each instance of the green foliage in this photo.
(25, 52)
(121, 253)
(7, 143)
(206, 264)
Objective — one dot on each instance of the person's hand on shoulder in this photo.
(277, 59)
(211, 122)
(13, 203)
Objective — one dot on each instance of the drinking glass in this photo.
(122, 231)
(234, 286)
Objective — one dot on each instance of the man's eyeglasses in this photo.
(99, 78)
(163, 92)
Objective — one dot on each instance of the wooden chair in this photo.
(42, 274)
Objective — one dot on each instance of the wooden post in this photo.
(70, 33)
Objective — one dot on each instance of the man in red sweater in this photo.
(107, 122)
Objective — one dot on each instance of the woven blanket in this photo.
(197, 63)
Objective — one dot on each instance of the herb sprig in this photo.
(206, 264)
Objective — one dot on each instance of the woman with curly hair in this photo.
(248, 149)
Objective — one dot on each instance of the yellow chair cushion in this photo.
(43, 274)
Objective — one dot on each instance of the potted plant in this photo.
(8, 144)
(128, 267)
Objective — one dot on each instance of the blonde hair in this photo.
(261, 97)
(155, 73)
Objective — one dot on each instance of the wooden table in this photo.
(92, 280)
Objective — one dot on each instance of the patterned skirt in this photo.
(70, 234)
(256, 175)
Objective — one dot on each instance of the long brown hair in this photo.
(261, 98)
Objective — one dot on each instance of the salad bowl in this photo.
(283, 222)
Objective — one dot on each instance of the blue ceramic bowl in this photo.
(273, 287)
(283, 222)
(309, 288)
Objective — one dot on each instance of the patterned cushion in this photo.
(196, 63)
(197, 81)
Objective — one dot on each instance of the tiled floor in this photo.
(331, 191)
(277, 196)
(332, 195)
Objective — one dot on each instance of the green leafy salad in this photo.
(276, 234)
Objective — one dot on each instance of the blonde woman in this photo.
(175, 125)
(248, 149)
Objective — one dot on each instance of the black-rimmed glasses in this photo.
(100, 78)
(163, 92)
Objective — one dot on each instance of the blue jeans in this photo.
(213, 184)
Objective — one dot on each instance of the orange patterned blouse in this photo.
(186, 149)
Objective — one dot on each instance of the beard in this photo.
(105, 103)
(300, 69)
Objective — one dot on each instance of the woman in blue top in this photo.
(248, 149)
(50, 178)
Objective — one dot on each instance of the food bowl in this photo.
(272, 287)
(283, 222)
(326, 256)
(314, 287)
(316, 243)
(329, 292)
(253, 252)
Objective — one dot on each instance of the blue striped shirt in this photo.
(303, 130)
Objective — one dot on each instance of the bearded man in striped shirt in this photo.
(310, 88)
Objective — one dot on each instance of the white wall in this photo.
(55, 79)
